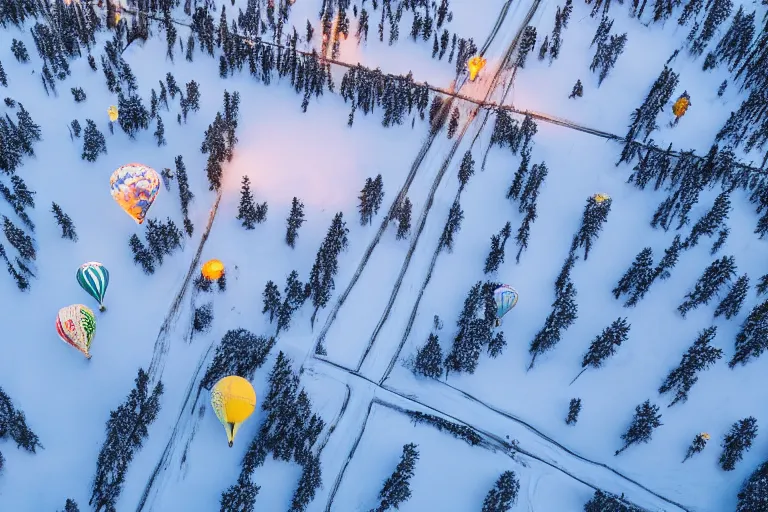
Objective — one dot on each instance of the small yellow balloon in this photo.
(113, 114)
(213, 269)
(599, 198)
(233, 400)
(475, 64)
(704, 435)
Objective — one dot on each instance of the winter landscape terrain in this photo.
(367, 199)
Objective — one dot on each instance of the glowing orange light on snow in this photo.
(213, 269)
(475, 64)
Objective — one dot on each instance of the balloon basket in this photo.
(102, 308)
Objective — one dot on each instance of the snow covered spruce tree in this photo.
(240, 353)
(646, 420)
(475, 325)
(753, 496)
(752, 339)
(697, 445)
(141, 255)
(574, 408)
(711, 222)
(403, 217)
(452, 225)
(246, 212)
(731, 304)
(699, 357)
(203, 317)
(294, 222)
(563, 315)
(466, 170)
(637, 279)
(21, 241)
(133, 114)
(13, 424)
(371, 197)
(496, 255)
(71, 506)
(738, 440)
(272, 300)
(527, 45)
(429, 359)
(604, 345)
(669, 260)
(94, 142)
(717, 274)
(578, 90)
(160, 132)
(185, 194)
(606, 502)
(503, 496)
(134, 415)
(321, 277)
(595, 215)
(295, 294)
(64, 222)
(397, 488)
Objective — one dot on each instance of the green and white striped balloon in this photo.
(94, 279)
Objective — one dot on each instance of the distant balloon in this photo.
(599, 198)
(475, 64)
(681, 105)
(113, 114)
(505, 298)
(93, 277)
(213, 269)
(76, 326)
(233, 400)
(134, 187)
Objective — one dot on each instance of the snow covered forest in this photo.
(333, 199)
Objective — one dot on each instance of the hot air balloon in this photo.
(113, 114)
(681, 105)
(233, 400)
(134, 187)
(93, 277)
(213, 269)
(475, 64)
(505, 297)
(600, 197)
(76, 325)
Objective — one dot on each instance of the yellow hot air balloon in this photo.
(599, 198)
(213, 269)
(681, 105)
(233, 400)
(113, 114)
(475, 64)
(704, 435)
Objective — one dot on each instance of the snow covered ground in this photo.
(316, 157)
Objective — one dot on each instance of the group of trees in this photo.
(163, 239)
(289, 432)
(13, 425)
(371, 197)
(17, 139)
(249, 212)
(282, 308)
(220, 139)
(321, 277)
(127, 428)
(397, 488)
(609, 47)
(185, 195)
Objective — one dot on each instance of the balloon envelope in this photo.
(505, 297)
(113, 113)
(93, 277)
(600, 197)
(213, 269)
(475, 64)
(233, 400)
(76, 326)
(134, 187)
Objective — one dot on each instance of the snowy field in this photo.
(387, 291)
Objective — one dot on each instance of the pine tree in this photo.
(731, 304)
(3, 76)
(370, 199)
(76, 129)
(133, 416)
(19, 239)
(321, 277)
(637, 278)
(697, 445)
(710, 222)
(595, 215)
(496, 255)
(403, 219)
(429, 359)
(753, 496)
(762, 286)
(246, 212)
(736, 441)
(520, 175)
(65, 222)
(669, 260)
(721, 89)
(607, 502)
(452, 225)
(240, 353)
(564, 313)
(453, 124)
(647, 418)
(294, 297)
(714, 277)
(752, 339)
(203, 317)
(574, 408)
(71, 506)
(557, 40)
(94, 142)
(605, 345)
(496, 345)
(523, 233)
(527, 45)
(13, 424)
(578, 90)
(185, 194)
(160, 132)
(699, 357)
(133, 115)
(503, 496)
(240, 497)
(295, 220)
(141, 255)
(310, 481)
(272, 300)
(397, 488)
(466, 170)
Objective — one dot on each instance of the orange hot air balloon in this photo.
(475, 64)
(681, 105)
(213, 269)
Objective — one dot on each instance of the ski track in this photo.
(163, 337)
(422, 220)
